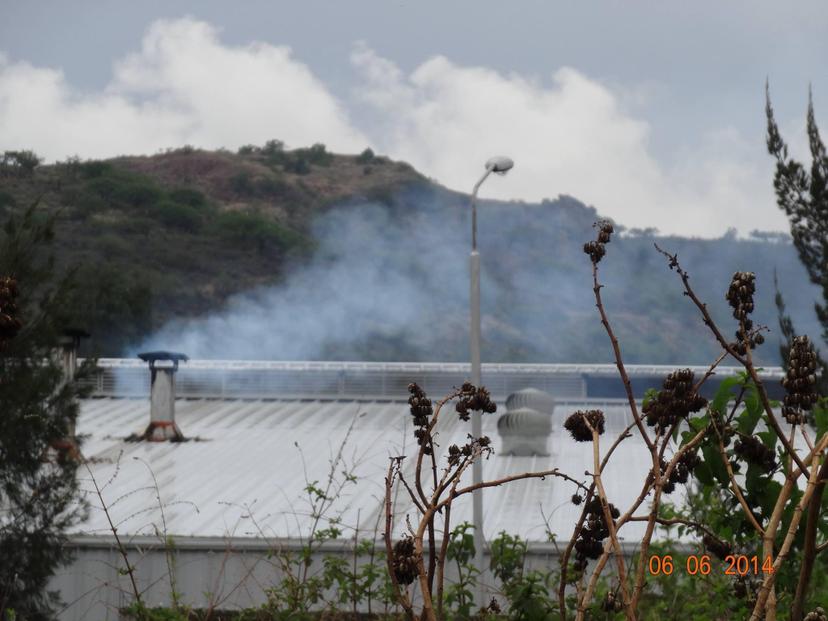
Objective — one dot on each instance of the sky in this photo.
(653, 112)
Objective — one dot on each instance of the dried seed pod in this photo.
(472, 399)
(595, 249)
(405, 561)
(577, 426)
(753, 450)
(589, 543)
(675, 401)
(817, 614)
(716, 546)
(799, 381)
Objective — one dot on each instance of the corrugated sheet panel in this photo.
(247, 468)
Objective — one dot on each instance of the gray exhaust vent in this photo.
(527, 424)
(163, 366)
(68, 353)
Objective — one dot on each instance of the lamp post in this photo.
(499, 165)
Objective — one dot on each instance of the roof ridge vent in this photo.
(527, 424)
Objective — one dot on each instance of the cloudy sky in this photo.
(651, 111)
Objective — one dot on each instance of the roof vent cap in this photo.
(525, 427)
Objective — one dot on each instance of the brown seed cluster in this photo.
(456, 453)
(753, 450)
(740, 297)
(474, 399)
(10, 323)
(577, 426)
(421, 410)
(817, 614)
(405, 561)
(493, 608)
(720, 549)
(680, 474)
(612, 603)
(800, 380)
(675, 401)
(595, 249)
(590, 540)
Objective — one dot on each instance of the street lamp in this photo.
(499, 165)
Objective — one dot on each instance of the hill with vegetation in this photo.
(278, 254)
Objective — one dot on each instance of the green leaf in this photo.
(769, 438)
(754, 479)
(747, 420)
(703, 474)
(768, 496)
(714, 461)
(821, 420)
(725, 393)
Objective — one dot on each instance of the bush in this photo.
(137, 193)
(20, 163)
(178, 216)
(238, 226)
(94, 168)
(297, 165)
(273, 147)
(6, 199)
(366, 157)
(188, 196)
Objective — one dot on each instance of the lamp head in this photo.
(499, 164)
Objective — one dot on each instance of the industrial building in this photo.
(208, 510)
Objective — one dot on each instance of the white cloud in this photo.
(183, 87)
(568, 135)
(571, 136)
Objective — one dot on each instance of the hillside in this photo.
(269, 253)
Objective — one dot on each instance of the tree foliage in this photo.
(38, 488)
(803, 195)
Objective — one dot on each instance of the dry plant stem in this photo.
(809, 550)
(760, 387)
(653, 515)
(129, 568)
(768, 582)
(401, 596)
(602, 495)
(596, 287)
(428, 518)
(616, 348)
(432, 546)
(735, 486)
(673, 522)
(584, 601)
(709, 371)
(602, 560)
(441, 564)
(589, 493)
(784, 496)
(568, 552)
(807, 438)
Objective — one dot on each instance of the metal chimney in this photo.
(66, 355)
(69, 343)
(163, 366)
(525, 427)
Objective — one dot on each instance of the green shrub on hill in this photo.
(177, 215)
(246, 227)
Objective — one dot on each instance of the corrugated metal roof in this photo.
(245, 470)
